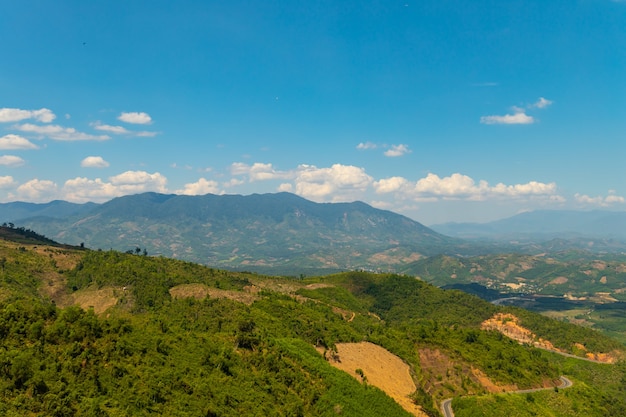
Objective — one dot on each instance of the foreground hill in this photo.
(167, 337)
(256, 232)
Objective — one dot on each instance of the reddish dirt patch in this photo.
(508, 325)
(381, 369)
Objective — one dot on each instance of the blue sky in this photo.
(439, 110)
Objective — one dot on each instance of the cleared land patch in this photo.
(201, 291)
(380, 368)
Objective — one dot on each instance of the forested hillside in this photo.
(89, 333)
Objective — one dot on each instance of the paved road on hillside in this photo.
(446, 405)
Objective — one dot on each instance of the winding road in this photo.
(446, 405)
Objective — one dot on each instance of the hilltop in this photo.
(90, 332)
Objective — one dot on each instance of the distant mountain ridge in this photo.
(255, 232)
(16, 211)
(546, 224)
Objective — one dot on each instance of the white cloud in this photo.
(121, 130)
(599, 200)
(366, 145)
(456, 185)
(36, 191)
(518, 118)
(57, 132)
(139, 118)
(82, 189)
(94, 162)
(12, 142)
(542, 103)
(337, 183)
(233, 182)
(390, 185)
(15, 115)
(118, 130)
(285, 188)
(11, 161)
(132, 182)
(146, 134)
(7, 181)
(259, 171)
(201, 187)
(397, 150)
(462, 187)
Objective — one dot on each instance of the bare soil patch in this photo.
(99, 299)
(381, 369)
(443, 373)
(508, 325)
(559, 280)
(201, 291)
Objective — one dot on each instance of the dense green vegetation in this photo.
(155, 354)
(594, 393)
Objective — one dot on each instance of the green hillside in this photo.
(168, 337)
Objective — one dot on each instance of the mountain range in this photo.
(285, 234)
(544, 224)
(255, 232)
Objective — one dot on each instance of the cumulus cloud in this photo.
(337, 183)
(131, 182)
(11, 161)
(15, 115)
(82, 189)
(285, 187)
(366, 146)
(57, 132)
(397, 150)
(11, 142)
(390, 185)
(36, 191)
(200, 187)
(117, 130)
(94, 162)
(139, 118)
(518, 118)
(600, 201)
(461, 187)
(7, 181)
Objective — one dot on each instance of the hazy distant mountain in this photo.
(544, 224)
(14, 212)
(254, 232)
